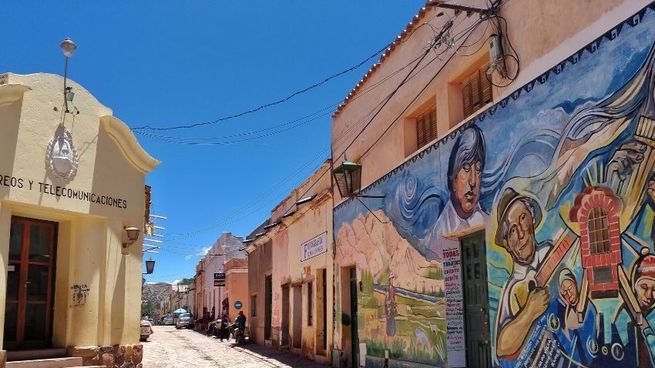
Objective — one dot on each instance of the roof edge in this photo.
(129, 146)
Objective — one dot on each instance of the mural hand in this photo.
(537, 302)
(628, 155)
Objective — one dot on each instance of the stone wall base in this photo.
(3, 358)
(109, 356)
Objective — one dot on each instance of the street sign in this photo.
(238, 305)
(219, 278)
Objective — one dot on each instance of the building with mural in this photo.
(505, 217)
(297, 293)
(72, 205)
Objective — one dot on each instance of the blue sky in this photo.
(171, 63)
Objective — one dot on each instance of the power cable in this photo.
(276, 102)
(410, 103)
(254, 202)
(438, 37)
(258, 133)
(381, 105)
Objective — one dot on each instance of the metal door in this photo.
(476, 301)
(30, 276)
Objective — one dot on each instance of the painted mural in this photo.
(561, 177)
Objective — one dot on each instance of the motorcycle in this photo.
(239, 335)
(222, 331)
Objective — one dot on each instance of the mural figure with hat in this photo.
(518, 216)
(633, 328)
(576, 319)
(390, 307)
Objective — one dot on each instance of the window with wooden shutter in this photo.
(426, 127)
(476, 91)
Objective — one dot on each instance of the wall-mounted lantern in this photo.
(132, 234)
(348, 176)
(150, 266)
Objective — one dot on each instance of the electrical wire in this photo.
(266, 132)
(374, 111)
(235, 214)
(279, 101)
(504, 37)
(446, 27)
(256, 201)
(409, 104)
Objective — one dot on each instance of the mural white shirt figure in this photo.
(519, 272)
(449, 222)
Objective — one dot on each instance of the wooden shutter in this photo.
(476, 91)
(426, 127)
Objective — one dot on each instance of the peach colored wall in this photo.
(259, 266)
(236, 286)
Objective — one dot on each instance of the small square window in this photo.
(253, 305)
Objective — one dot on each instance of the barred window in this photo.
(599, 234)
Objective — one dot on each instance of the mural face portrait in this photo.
(645, 290)
(520, 240)
(569, 292)
(466, 187)
(465, 167)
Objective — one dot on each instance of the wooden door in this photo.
(268, 305)
(30, 279)
(285, 315)
(476, 301)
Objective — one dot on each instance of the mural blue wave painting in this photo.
(561, 177)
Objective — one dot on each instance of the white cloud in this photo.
(200, 253)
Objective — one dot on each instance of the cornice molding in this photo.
(10, 93)
(128, 144)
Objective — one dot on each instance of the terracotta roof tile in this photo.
(399, 39)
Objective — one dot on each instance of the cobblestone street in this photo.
(172, 348)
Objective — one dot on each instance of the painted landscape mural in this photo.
(561, 178)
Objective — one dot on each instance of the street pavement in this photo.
(168, 347)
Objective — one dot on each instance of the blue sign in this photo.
(238, 305)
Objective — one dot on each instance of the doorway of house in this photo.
(321, 312)
(476, 301)
(285, 315)
(30, 284)
(353, 316)
(297, 316)
(268, 303)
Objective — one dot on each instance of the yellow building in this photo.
(72, 203)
